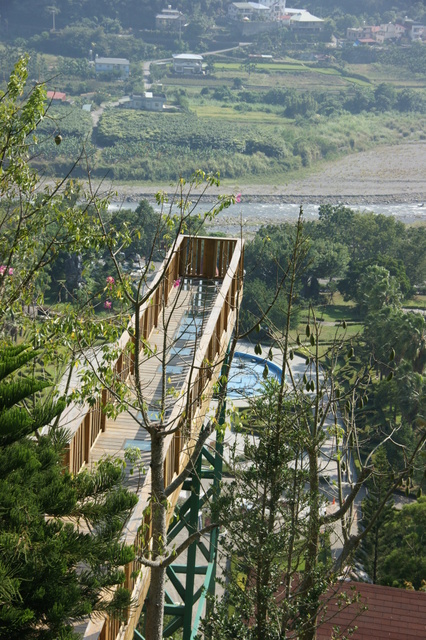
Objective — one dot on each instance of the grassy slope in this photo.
(308, 143)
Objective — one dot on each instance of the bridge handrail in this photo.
(200, 257)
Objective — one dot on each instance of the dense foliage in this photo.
(136, 145)
(412, 8)
(344, 245)
(53, 523)
(375, 262)
(60, 552)
(404, 561)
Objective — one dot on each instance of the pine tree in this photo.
(15, 388)
(60, 550)
(372, 550)
(262, 512)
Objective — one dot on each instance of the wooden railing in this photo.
(220, 259)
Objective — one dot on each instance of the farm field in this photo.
(225, 112)
(263, 123)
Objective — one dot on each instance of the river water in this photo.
(250, 216)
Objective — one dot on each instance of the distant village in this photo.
(251, 18)
(248, 19)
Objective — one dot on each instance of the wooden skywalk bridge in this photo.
(188, 322)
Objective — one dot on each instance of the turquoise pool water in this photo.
(246, 375)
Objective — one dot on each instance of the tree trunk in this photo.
(155, 602)
(376, 554)
(308, 591)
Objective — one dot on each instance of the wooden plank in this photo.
(212, 343)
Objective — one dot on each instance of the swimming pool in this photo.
(246, 375)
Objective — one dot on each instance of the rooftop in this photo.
(305, 16)
(187, 56)
(123, 61)
(56, 95)
(392, 614)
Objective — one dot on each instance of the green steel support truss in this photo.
(182, 576)
(201, 555)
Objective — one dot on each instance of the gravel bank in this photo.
(384, 175)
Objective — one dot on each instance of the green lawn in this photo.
(263, 66)
(230, 113)
(416, 302)
(330, 318)
(336, 313)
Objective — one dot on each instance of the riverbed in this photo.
(248, 217)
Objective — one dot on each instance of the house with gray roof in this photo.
(305, 22)
(239, 11)
(187, 63)
(147, 101)
(108, 65)
(169, 20)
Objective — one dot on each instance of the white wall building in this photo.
(105, 65)
(239, 11)
(188, 63)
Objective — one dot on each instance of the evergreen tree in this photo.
(60, 550)
(405, 560)
(373, 546)
(264, 512)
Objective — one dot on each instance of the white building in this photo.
(105, 65)
(305, 22)
(240, 11)
(276, 6)
(146, 101)
(417, 31)
(188, 63)
(169, 20)
(390, 31)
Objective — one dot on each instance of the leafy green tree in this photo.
(264, 536)
(377, 289)
(361, 100)
(391, 328)
(142, 225)
(411, 392)
(36, 224)
(409, 100)
(405, 542)
(412, 253)
(59, 534)
(385, 97)
(349, 284)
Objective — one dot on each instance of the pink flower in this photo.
(110, 281)
(107, 304)
(176, 283)
(3, 269)
(238, 197)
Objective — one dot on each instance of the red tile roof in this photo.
(56, 95)
(392, 614)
